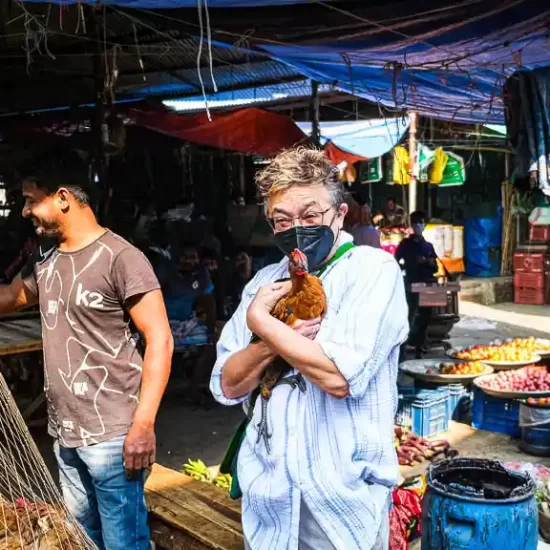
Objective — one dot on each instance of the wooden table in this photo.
(20, 333)
(479, 444)
(190, 515)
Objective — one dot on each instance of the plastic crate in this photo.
(539, 233)
(459, 403)
(535, 262)
(535, 296)
(535, 429)
(523, 279)
(494, 414)
(424, 411)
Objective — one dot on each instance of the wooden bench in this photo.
(190, 515)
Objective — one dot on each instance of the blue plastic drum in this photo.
(477, 504)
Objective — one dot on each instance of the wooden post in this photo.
(413, 117)
(314, 114)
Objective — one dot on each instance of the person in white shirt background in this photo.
(325, 481)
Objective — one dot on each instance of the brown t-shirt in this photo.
(91, 362)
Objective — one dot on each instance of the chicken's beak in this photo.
(299, 261)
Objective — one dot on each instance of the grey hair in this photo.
(300, 166)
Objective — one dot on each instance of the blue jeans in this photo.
(110, 507)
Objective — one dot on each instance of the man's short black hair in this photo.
(53, 169)
(418, 216)
(208, 254)
(392, 199)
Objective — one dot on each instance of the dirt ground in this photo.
(185, 431)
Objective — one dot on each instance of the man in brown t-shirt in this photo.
(102, 396)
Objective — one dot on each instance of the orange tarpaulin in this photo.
(248, 130)
(337, 155)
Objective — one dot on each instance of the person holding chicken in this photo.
(312, 353)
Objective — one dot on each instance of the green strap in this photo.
(337, 255)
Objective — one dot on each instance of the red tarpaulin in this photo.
(246, 130)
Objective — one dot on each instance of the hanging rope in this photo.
(199, 58)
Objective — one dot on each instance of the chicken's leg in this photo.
(296, 381)
(263, 432)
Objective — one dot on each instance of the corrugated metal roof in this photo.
(248, 96)
(149, 62)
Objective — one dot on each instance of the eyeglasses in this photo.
(282, 223)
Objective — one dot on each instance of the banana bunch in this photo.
(223, 481)
(198, 470)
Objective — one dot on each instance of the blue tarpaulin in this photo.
(364, 138)
(457, 75)
(528, 101)
(449, 62)
(172, 4)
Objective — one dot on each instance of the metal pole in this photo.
(413, 117)
(314, 113)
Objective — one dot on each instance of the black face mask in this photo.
(315, 242)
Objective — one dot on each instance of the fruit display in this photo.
(541, 401)
(506, 353)
(528, 379)
(199, 471)
(472, 367)
(412, 449)
(532, 344)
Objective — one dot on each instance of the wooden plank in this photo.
(20, 334)
(195, 511)
(26, 347)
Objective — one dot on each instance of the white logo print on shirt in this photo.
(87, 298)
(80, 388)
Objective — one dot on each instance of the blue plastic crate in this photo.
(460, 402)
(494, 414)
(424, 411)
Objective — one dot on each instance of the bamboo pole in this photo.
(413, 128)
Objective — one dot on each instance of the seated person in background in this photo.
(241, 275)
(211, 263)
(392, 215)
(188, 293)
(363, 232)
(418, 259)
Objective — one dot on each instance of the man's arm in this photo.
(370, 325)
(15, 296)
(304, 355)
(242, 372)
(149, 315)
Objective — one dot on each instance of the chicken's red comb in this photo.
(299, 258)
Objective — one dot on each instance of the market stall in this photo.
(503, 390)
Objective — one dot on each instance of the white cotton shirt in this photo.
(337, 455)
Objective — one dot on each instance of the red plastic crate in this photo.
(530, 263)
(539, 233)
(530, 280)
(535, 296)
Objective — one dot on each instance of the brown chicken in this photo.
(306, 300)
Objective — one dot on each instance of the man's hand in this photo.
(264, 302)
(309, 328)
(139, 449)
